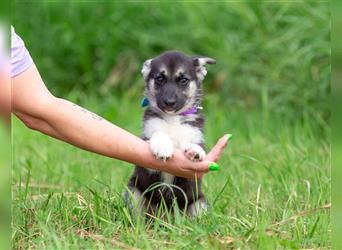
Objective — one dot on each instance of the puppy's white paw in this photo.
(194, 152)
(197, 208)
(161, 146)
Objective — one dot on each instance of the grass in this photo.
(5, 190)
(274, 171)
(270, 89)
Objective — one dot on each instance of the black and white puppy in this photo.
(171, 120)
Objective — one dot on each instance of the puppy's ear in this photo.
(145, 71)
(199, 63)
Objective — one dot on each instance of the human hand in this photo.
(181, 166)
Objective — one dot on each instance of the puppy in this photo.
(171, 120)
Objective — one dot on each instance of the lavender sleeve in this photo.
(20, 57)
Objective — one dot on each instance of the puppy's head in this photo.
(173, 81)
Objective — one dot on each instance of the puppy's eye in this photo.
(159, 80)
(184, 81)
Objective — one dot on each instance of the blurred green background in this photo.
(271, 56)
(336, 121)
(270, 88)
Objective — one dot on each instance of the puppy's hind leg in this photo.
(134, 200)
(197, 208)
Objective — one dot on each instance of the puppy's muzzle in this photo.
(169, 103)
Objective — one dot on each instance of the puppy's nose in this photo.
(170, 102)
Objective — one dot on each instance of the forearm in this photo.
(5, 94)
(113, 141)
(40, 110)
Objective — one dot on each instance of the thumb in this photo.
(205, 166)
(202, 167)
(217, 150)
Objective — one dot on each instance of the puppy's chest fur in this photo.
(182, 130)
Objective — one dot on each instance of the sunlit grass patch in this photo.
(271, 191)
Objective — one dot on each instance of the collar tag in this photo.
(144, 102)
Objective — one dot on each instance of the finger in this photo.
(201, 167)
(217, 150)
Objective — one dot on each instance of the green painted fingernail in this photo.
(213, 166)
(229, 136)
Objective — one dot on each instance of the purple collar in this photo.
(145, 102)
(190, 111)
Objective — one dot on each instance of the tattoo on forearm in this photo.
(93, 115)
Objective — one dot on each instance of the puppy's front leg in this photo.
(194, 152)
(161, 145)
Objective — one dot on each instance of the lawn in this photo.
(272, 190)
(270, 89)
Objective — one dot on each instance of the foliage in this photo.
(274, 56)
